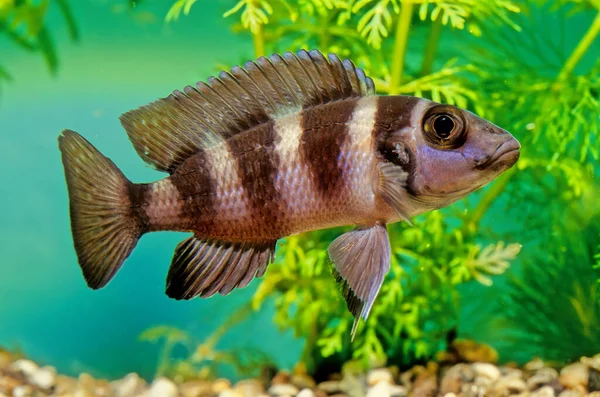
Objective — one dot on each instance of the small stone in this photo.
(575, 375)
(455, 377)
(163, 387)
(44, 378)
(306, 393)
(229, 393)
(220, 385)
(571, 393)
(534, 365)
(510, 385)
(23, 391)
(198, 388)
(131, 385)
(25, 367)
(283, 390)
(543, 376)
(249, 388)
(594, 380)
(86, 382)
(594, 394)
(330, 386)
(281, 378)
(385, 389)
(545, 391)
(593, 362)
(379, 375)
(303, 381)
(486, 370)
(64, 385)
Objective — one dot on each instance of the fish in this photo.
(282, 145)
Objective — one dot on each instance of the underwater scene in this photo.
(252, 198)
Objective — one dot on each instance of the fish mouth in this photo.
(506, 154)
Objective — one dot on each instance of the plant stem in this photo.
(498, 187)
(259, 41)
(488, 199)
(431, 47)
(400, 44)
(581, 48)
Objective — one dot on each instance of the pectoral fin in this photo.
(391, 185)
(362, 259)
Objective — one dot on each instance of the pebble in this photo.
(455, 377)
(163, 387)
(571, 393)
(197, 388)
(302, 381)
(545, 391)
(220, 385)
(542, 377)
(511, 384)
(593, 362)
(574, 375)
(534, 365)
(282, 377)
(44, 378)
(23, 391)
(381, 389)
(25, 367)
(129, 386)
(249, 388)
(486, 370)
(306, 393)
(229, 393)
(380, 375)
(330, 386)
(594, 380)
(283, 390)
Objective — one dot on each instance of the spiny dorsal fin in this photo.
(171, 129)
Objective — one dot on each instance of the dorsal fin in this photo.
(171, 129)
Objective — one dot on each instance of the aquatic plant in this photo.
(23, 23)
(506, 60)
(183, 357)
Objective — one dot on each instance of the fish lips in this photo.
(504, 157)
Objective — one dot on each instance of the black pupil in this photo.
(443, 126)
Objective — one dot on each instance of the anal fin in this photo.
(206, 267)
(362, 259)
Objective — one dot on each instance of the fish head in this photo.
(449, 152)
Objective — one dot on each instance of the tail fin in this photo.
(105, 229)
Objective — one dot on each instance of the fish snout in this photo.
(506, 154)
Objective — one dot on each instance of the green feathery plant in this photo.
(500, 70)
(23, 23)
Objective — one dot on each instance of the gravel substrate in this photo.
(23, 378)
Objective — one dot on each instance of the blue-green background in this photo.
(124, 59)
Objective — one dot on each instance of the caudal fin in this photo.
(105, 229)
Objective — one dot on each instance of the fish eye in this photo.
(444, 127)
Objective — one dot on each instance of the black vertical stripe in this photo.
(257, 164)
(195, 185)
(139, 198)
(324, 132)
(394, 113)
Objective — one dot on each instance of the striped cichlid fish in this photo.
(284, 145)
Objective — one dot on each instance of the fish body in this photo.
(285, 145)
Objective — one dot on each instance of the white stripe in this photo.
(358, 154)
(230, 198)
(294, 182)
